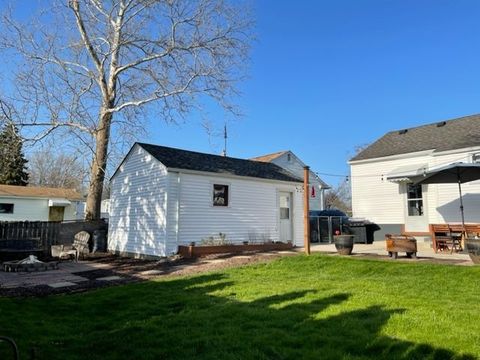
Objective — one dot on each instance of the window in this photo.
(284, 207)
(476, 158)
(414, 200)
(6, 208)
(220, 195)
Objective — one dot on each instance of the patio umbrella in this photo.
(458, 173)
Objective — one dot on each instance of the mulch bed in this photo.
(132, 270)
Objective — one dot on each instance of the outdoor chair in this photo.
(80, 244)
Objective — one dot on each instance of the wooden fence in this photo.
(49, 232)
(46, 231)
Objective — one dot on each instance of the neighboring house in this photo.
(28, 203)
(381, 175)
(163, 197)
(289, 161)
(105, 209)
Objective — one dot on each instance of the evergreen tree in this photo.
(12, 160)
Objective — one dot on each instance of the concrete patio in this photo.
(378, 250)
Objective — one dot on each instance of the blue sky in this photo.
(327, 76)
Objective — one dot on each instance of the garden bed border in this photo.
(199, 251)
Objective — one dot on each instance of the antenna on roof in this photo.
(224, 152)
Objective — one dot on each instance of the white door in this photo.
(285, 211)
(416, 219)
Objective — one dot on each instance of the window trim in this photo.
(414, 200)
(228, 197)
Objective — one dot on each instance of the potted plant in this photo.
(472, 243)
(343, 243)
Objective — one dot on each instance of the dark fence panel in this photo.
(49, 232)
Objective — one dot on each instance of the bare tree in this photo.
(340, 197)
(47, 168)
(94, 69)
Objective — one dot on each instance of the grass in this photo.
(317, 307)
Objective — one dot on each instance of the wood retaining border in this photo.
(199, 251)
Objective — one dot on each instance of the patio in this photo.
(377, 250)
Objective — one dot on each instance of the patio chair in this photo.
(80, 244)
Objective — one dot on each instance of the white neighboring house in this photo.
(29, 203)
(381, 177)
(164, 197)
(289, 161)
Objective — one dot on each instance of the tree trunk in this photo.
(99, 163)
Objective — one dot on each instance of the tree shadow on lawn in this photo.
(182, 319)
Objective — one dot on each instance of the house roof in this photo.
(190, 160)
(440, 136)
(39, 192)
(269, 157)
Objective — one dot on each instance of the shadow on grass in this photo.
(184, 318)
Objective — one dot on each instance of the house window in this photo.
(476, 158)
(414, 200)
(220, 195)
(6, 208)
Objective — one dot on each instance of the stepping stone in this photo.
(109, 278)
(61, 284)
(242, 257)
(151, 272)
(214, 261)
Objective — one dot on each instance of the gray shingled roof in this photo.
(440, 136)
(190, 160)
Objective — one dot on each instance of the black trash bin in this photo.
(99, 241)
(363, 230)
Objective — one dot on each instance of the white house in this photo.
(28, 203)
(163, 197)
(289, 161)
(381, 175)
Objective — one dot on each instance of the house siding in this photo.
(32, 209)
(296, 167)
(384, 202)
(137, 223)
(252, 214)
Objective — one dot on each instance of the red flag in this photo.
(313, 191)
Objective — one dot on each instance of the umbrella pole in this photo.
(461, 203)
(464, 235)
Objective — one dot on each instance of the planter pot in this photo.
(473, 248)
(344, 244)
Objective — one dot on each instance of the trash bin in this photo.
(360, 232)
(363, 229)
(99, 241)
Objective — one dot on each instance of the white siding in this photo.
(174, 184)
(33, 209)
(295, 166)
(445, 206)
(252, 213)
(384, 202)
(137, 221)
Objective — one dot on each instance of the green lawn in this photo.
(317, 307)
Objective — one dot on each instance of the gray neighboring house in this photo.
(380, 177)
(163, 197)
(292, 163)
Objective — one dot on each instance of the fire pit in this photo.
(31, 263)
(401, 243)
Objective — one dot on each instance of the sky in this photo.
(328, 76)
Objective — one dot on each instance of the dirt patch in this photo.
(134, 270)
